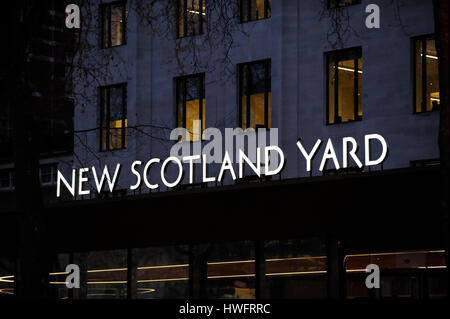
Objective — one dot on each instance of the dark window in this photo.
(283, 269)
(162, 272)
(191, 15)
(252, 10)
(406, 274)
(6, 131)
(191, 104)
(113, 114)
(107, 274)
(426, 78)
(5, 178)
(344, 86)
(113, 17)
(296, 268)
(341, 3)
(255, 94)
(48, 173)
(231, 270)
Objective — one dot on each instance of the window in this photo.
(255, 94)
(6, 132)
(252, 10)
(190, 17)
(405, 274)
(296, 268)
(191, 104)
(113, 117)
(113, 17)
(426, 82)
(48, 174)
(231, 270)
(344, 86)
(426, 163)
(106, 274)
(162, 272)
(7, 179)
(332, 4)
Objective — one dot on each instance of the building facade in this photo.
(294, 51)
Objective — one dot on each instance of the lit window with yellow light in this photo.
(113, 117)
(426, 75)
(191, 105)
(252, 10)
(333, 4)
(344, 86)
(190, 15)
(255, 94)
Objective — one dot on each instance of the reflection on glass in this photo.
(408, 274)
(296, 268)
(116, 25)
(231, 271)
(162, 272)
(58, 288)
(113, 24)
(6, 278)
(107, 275)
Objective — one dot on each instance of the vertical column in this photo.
(81, 261)
(198, 271)
(335, 269)
(260, 271)
(131, 275)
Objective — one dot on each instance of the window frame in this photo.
(423, 39)
(268, 84)
(249, 11)
(10, 173)
(183, 78)
(185, 23)
(124, 116)
(53, 174)
(357, 51)
(330, 7)
(107, 6)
